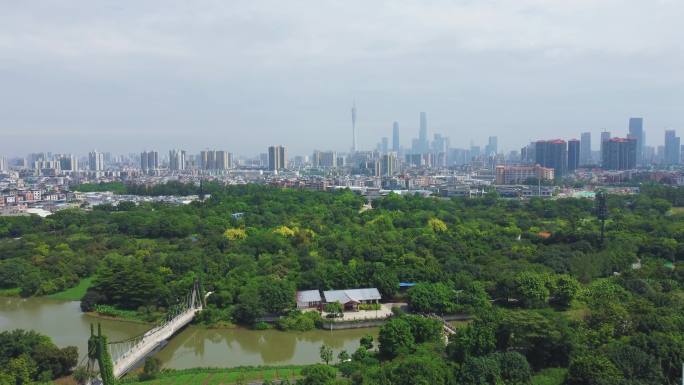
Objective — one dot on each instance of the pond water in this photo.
(192, 347)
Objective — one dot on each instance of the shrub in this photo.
(261, 326)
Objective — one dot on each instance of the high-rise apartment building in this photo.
(149, 161)
(223, 160)
(177, 160)
(388, 164)
(67, 162)
(327, 159)
(528, 154)
(573, 155)
(619, 154)
(672, 147)
(3, 164)
(95, 161)
(440, 144)
(395, 136)
(277, 158)
(585, 149)
(605, 137)
(215, 160)
(552, 154)
(636, 132)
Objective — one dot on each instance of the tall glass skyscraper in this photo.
(672, 147)
(395, 136)
(636, 132)
(585, 149)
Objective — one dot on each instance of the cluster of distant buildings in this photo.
(430, 166)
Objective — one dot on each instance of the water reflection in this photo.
(192, 347)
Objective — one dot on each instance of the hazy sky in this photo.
(124, 76)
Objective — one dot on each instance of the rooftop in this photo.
(351, 295)
(308, 296)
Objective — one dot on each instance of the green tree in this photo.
(416, 370)
(334, 308)
(592, 369)
(480, 371)
(367, 342)
(431, 298)
(565, 290)
(635, 364)
(20, 370)
(532, 288)
(515, 370)
(476, 339)
(318, 375)
(326, 353)
(395, 338)
(343, 356)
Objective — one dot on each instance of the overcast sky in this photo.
(124, 76)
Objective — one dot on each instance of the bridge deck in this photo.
(151, 341)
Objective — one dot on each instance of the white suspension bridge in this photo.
(127, 354)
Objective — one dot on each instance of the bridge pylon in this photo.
(99, 354)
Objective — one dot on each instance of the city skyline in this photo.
(423, 132)
(171, 74)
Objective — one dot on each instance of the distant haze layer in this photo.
(241, 75)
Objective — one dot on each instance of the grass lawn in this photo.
(577, 311)
(75, 293)
(550, 376)
(14, 292)
(220, 376)
(459, 324)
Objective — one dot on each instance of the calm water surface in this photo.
(193, 347)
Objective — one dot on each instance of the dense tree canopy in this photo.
(27, 357)
(534, 273)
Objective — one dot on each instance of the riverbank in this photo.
(194, 346)
(219, 376)
(74, 293)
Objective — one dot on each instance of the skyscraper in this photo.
(277, 158)
(3, 163)
(619, 154)
(636, 132)
(440, 144)
(585, 149)
(573, 154)
(384, 144)
(552, 154)
(422, 134)
(327, 159)
(672, 147)
(395, 136)
(353, 116)
(221, 160)
(95, 161)
(149, 161)
(67, 162)
(211, 160)
(492, 146)
(387, 164)
(177, 160)
(605, 136)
